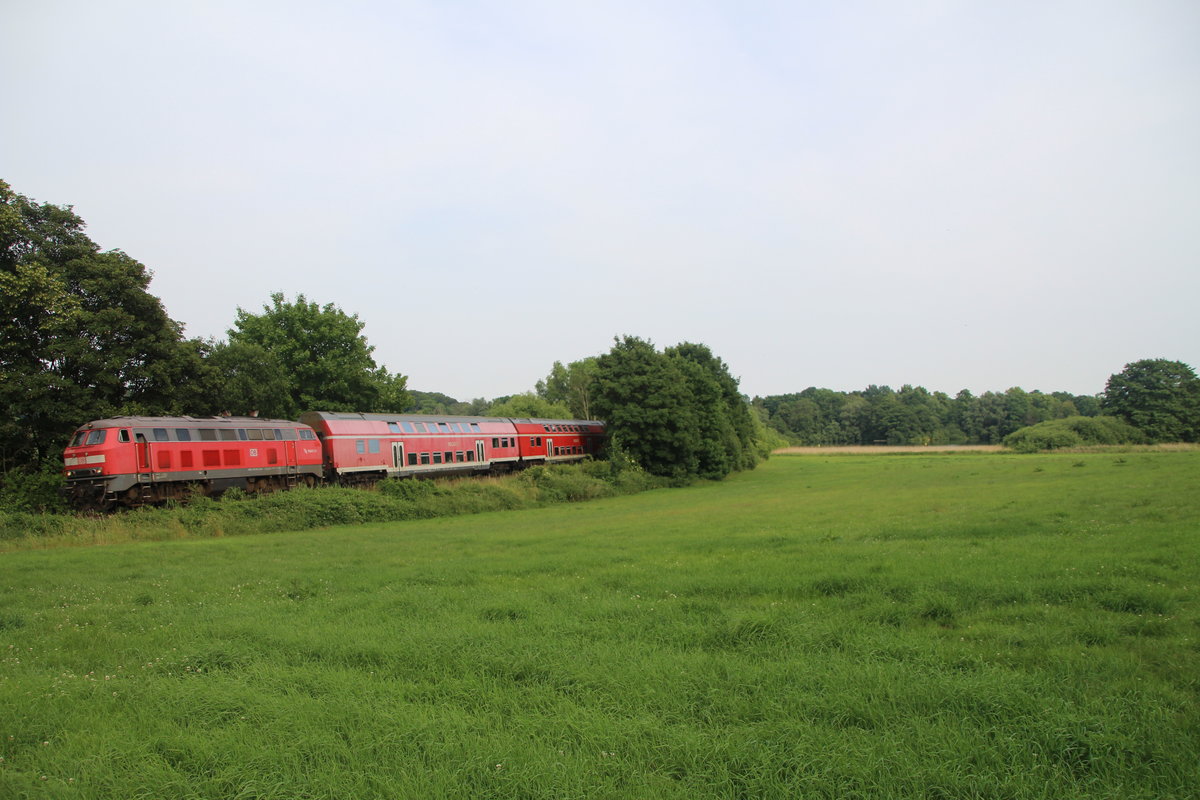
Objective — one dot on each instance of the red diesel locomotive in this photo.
(131, 461)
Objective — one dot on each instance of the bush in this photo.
(1056, 434)
(557, 483)
(33, 489)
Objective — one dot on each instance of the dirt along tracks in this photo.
(877, 449)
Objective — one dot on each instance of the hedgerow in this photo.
(1057, 434)
(238, 513)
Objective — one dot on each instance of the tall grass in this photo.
(957, 626)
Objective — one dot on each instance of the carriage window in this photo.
(183, 434)
(373, 446)
(458, 455)
(360, 446)
(475, 427)
(160, 435)
(408, 428)
(495, 442)
(449, 457)
(444, 427)
(420, 427)
(437, 458)
(470, 455)
(393, 427)
(412, 459)
(424, 457)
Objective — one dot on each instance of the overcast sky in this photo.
(952, 194)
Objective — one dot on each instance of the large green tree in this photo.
(643, 398)
(81, 338)
(1160, 398)
(323, 356)
(677, 413)
(727, 431)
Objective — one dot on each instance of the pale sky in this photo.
(952, 194)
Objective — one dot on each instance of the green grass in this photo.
(919, 626)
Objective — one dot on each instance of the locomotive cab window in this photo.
(307, 435)
(122, 436)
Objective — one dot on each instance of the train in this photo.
(134, 461)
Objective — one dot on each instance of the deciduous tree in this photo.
(324, 356)
(1160, 398)
(81, 336)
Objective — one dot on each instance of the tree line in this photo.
(1158, 397)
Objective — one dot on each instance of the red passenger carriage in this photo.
(363, 448)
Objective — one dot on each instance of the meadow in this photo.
(936, 626)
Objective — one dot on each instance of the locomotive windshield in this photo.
(89, 437)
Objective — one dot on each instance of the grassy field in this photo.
(935, 626)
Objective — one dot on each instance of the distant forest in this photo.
(913, 415)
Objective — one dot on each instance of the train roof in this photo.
(354, 415)
(191, 422)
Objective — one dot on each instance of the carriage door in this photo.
(289, 457)
(143, 458)
(549, 448)
(479, 456)
(397, 454)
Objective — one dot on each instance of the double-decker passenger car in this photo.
(363, 448)
(135, 460)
